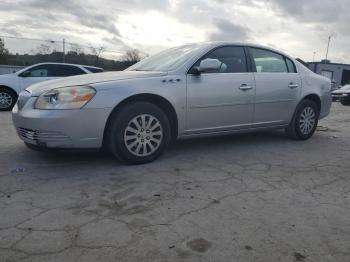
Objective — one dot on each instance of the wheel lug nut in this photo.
(142, 140)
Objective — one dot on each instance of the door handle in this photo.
(292, 85)
(245, 87)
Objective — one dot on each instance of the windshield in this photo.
(167, 60)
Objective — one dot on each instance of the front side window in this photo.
(233, 59)
(268, 61)
(40, 71)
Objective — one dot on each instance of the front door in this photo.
(37, 74)
(222, 100)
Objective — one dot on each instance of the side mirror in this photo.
(25, 74)
(209, 65)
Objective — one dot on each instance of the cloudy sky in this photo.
(298, 27)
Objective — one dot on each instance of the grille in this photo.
(41, 136)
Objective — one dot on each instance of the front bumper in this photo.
(81, 128)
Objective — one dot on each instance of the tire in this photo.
(8, 99)
(345, 102)
(34, 147)
(305, 120)
(138, 133)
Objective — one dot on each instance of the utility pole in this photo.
(329, 41)
(64, 50)
(313, 59)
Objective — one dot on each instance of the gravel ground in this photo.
(251, 197)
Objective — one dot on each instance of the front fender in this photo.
(110, 94)
(11, 86)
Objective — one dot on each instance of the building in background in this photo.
(9, 69)
(338, 73)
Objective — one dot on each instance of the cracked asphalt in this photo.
(250, 197)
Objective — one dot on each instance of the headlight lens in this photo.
(73, 97)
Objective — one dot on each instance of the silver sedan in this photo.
(188, 91)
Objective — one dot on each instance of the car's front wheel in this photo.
(138, 133)
(305, 120)
(8, 99)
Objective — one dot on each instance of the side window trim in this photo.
(212, 50)
(261, 48)
(250, 60)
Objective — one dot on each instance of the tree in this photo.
(43, 50)
(75, 48)
(97, 52)
(132, 56)
(3, 52)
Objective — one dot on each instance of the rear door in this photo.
(278, 87)
(222, 100)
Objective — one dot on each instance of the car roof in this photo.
(54, 63)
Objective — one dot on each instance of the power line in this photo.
(31, 39)
(59, 41)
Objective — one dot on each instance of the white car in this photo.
(342, 94)
(188, 91)
(12, 84)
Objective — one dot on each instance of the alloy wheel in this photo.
(143, 135)
(307, 120)
(5, 100)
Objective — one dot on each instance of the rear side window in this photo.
(232, 57)
(94, 69)
(291, 66)
(268, 61)
(67, 70)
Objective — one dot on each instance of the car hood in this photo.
(343, 89)
(7, 76)
(89, 79)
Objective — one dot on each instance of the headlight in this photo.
(73, 97)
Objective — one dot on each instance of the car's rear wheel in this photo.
(8, 99)
(305, 120)
(138, 133)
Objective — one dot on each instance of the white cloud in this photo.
(298, 27)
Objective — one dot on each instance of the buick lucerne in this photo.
(188, 91)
